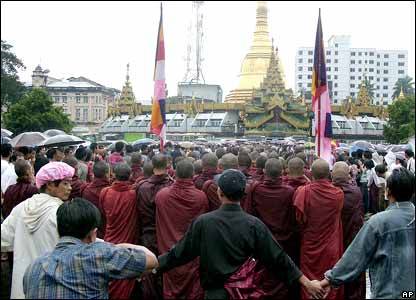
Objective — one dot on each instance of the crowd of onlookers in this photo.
(64, 198)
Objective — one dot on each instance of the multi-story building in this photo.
(346, 68)
(85, 101)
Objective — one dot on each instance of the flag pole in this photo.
(319, 104)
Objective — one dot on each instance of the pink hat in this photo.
(53, 171)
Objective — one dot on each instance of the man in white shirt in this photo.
(6, 153)
(410, 160)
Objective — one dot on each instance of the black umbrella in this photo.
(61, 140)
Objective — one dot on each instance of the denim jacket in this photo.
(385, 245)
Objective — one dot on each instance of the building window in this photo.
(401, 64)
(385, 71)
(329, 76)
(335, 76)
(300, 60)
(336, 52)
(309, 84)
(386, 64)
(360, 70)
(328, 52)
(385, 95)
(336, 45)
(378, 71)
(310, 52)
(386, 56)
(78, 99)
(328, 61)
(378, 55)
(400, 56)
(352, 77)
(401, 71)
(378, 79)
(352, 70)
(335, 84)
(299, 76)
(360, 53)
(371, 62)
(299, 84)
(360, 62)
(377, 95)
(366, 53)
(385, 79)
(385, 87)
(352, 85)
(310, 69)
(336, 61)
(352, 53)
(300, 68)
(85, 115)
(78, 114)
(371, 53)
(300, 52)
(328, 68)
(359, 77)
(310, 60)
(64, 99)
(371, 69)
(371, 77)
(335, 93)
(57, 99)
(353, 62)
(85, 99)
(378, 64)
(336, 69)
(309, 76)
(352, 94)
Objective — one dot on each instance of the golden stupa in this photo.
(256, 63)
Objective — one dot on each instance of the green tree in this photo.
(401, 124)
(36, 112)
(406, 84)
(11, 88)
(370, 88)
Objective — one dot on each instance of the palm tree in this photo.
(405, 84)
(370, 87)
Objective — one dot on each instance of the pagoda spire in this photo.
(127, 75)
(127, 95)
(401, 95)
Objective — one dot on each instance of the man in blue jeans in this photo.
(385, 245)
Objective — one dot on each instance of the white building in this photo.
(346, 67)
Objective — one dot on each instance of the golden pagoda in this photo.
(255, 65)
(127, 98)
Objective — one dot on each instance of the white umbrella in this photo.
(186, 144)
(6, 133)
(53, 132)
(61, 140)
(30, 139)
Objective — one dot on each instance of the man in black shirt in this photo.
(225, 238)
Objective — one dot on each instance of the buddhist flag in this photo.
(158, 121)
(321, 104)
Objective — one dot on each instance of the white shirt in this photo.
(8, 178)
(411, 165)
(29, 231)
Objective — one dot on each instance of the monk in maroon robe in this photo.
(318, 212)
(118, 202)
(92, 190)
(77, 184)
(352, 216)
(209, 170)
(272, 202)
(258, 175)
(296, 177)
(146, 192)
(176, 207)
(244, 164)
(136, 167)
(22, 190)
(227, 161)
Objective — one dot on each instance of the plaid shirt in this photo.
(75, 270)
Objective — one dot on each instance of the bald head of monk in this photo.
(320, 169)
(209, 161)
(340, 172)
(228, 161)
(273, 168)
(296, 167)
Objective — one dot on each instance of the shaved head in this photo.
(340, 172)
(209, 160)
(296, 167)
(320, 169)
(273, 168)
(229, 161)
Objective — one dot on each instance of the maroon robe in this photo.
(16, 194)
(77, 186)
(146, 193)
(136, 173)
(207, 174)
(352, 216)
(91, 192)
(296, 182)
(258, 175)
(210, 190)
(118, 202)
(307, 172)
(318, 211)
(272, 202)
(176, 207)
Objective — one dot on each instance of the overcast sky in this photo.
(98, 39)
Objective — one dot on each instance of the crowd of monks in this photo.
(313, 214)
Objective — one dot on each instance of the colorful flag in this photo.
(158, 121)
(321, 104)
